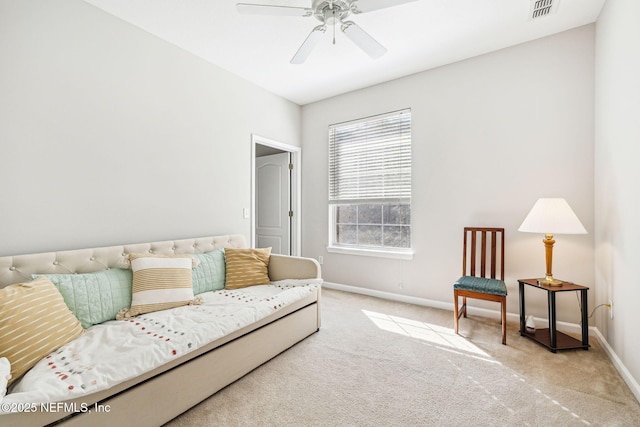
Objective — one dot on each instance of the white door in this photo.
(273, 203)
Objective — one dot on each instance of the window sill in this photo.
(380, 253)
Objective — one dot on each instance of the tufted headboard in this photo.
(19, 268)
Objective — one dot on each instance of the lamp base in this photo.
(550, 281)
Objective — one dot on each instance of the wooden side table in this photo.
(550, 337)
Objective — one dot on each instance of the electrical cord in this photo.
(592, 312)
(597, 307)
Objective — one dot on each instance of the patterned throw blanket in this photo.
(119, 350)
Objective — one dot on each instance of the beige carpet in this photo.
(376, 362)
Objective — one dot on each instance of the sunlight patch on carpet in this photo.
(434, 334)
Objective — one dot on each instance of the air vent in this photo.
(540, 8)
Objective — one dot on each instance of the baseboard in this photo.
(564, 326)
(634, 386)
(388, 295)
(478, 311)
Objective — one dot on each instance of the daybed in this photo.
(157, 396)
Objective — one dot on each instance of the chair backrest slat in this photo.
(491, 253)
(483, 256)
(473, 254)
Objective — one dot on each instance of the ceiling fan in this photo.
(329, 12)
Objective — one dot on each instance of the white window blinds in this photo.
(370, 159)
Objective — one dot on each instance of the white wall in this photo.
(110, 135)
(617, 199)
(491, 135)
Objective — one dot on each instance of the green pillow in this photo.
(94, 297)
(210, 273)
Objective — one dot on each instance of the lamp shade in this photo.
(552, 216)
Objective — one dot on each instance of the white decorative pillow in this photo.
(160, 282)
(5, 376)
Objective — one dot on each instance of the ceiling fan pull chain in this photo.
(334, 34)
(334, 26)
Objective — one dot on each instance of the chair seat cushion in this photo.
(481, 284)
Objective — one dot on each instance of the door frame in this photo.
(296, 202)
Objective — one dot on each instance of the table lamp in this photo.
(551, 216)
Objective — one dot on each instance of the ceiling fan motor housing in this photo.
(331, 12)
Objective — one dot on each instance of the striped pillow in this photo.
(246, 267)
(160, 282)
(35, 321)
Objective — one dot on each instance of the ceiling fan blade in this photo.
(363, 40)
(267, 9)
(309, 43)
(362, 6)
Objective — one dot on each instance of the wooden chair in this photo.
(483, 258)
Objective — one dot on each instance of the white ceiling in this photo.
(418, 35)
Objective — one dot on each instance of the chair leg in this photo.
(464, 307)
(503, 307)
(455, 311)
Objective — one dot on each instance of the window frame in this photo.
(334, 200)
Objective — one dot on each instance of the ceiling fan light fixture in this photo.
(331, 17)
(331, 12)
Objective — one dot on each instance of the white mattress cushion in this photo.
(119, 350)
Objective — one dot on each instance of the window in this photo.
(370, 183)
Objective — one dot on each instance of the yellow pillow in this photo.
(35, 321)
(246, 267)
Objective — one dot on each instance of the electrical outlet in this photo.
(320, 260)
(610, 309)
